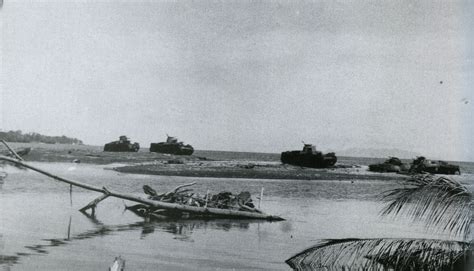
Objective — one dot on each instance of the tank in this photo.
(172, 146)
(392, 164)
(309, 157)
(122, 145)
(421, 164)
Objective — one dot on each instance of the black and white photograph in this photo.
(236, 135)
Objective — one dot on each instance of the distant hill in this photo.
(378, 153)
(18, 136)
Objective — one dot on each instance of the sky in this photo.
(257, 76)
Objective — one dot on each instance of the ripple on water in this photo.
(42, 229)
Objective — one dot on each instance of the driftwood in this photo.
(93, 204)
(215, 212)
(179, 187)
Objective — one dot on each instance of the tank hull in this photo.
(439, 169)
(312, 160)
(168, 148)
(421, 164)
(120, 147)
(392, 164)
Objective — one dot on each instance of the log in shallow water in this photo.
(156, 204)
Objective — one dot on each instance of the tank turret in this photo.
(124, 139)
(171, 140)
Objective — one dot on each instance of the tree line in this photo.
(18, 136)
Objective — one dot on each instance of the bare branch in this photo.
(93, 204)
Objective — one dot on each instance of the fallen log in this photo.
(207, 211)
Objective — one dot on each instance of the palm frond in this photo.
(442, 203)
(383, 254)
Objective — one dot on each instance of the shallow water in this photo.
(41, 229)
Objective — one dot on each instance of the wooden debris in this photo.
(210, 210)
(222, 200)
(93, 204)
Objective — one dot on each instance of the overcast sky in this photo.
(244, 75)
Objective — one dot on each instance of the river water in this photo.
(42, 229)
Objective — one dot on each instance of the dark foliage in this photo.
(18, 136)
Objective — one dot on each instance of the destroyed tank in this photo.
(172, 146)
(421, 164)
(309, 157)
(392, 164)
(122, 145)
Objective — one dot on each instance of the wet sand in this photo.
(252, 170)
(203, 164)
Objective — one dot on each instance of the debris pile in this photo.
(222, 200)
(176, 161)
(248, 166)
(192, 205)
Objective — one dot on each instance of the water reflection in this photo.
(315, 210)
(6, 260)
(181, 229)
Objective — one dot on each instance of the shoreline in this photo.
(248, 166)
(281, 174)
(253, 170)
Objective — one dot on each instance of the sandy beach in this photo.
(203, 164)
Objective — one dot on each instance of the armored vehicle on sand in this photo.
(392, 164)
(309, 157)
(122, 145)
(172, 146)
(421, 164)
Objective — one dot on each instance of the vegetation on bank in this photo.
(18, 136)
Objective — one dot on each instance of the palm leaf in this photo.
(382, 254)
(442, 203)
